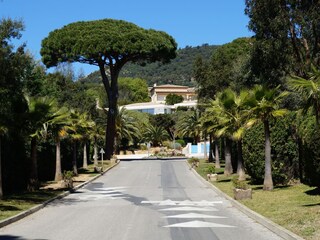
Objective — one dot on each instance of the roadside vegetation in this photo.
(15, 203)
(294, 206)
(258, 106)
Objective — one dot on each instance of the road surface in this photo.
(140, 200)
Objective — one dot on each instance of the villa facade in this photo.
(158, 96)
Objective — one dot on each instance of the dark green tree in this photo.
(132, 90)
(108, 44)
(265, 106)
(14, 65)
(155, 134)
(38, 114)
(228, 67)
(287, 37)
(172, 99)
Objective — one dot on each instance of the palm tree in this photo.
(58, 125)
(96, 133)
(190, 125)
(126, 128)
(309, 89)
(3, 131)
(86, 125)
(155, 134)
(230, 113)
(78, 123)
(265, 105)
(212, 115)
(207, 122)
(38, 114)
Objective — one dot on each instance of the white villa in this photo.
(158, 97)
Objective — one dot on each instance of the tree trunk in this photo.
(205, 155)
(240, 167)
(95, 155)
(216, 150)
(300, 157)
(33, 179)
(1, 190)
(211, 146)
(58, 174)
(268, 183)
(111, 130)
(228, 167)
(74, 159)
(112, 93)
(85, 159)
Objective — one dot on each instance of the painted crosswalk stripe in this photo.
(193, 215)
(207, 209)
(169, 202)
(198, 224)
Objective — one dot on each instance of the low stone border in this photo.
(277, 229)
(34, 209)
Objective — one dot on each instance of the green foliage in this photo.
(155, 134)
(279, 28)
(309, 90)
(127, 128)
(172, 99)
(188, 125)
(68, 175)
(91, 41)
(181, 142)
(178, 71)
(194, 160)
(211, 169)
(253, 153)
(239, 184)
(166, 121)
(14, 70)
(108, 44)
(132, 90)
(227, 67)
(309, 133)
(284, 151)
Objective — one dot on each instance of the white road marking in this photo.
(193, 215)
(190, 209)
(99, 193)
(169, 202)
(198, 224)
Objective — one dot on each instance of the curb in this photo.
(277, 229)
(34, 209)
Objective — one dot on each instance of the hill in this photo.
(178, 71)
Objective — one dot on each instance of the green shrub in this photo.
(166, 144)
(211, 169)
(181, 142)
(194, 160)
(239, 184)
(284, 151)
(143, 147)
(310, 150)
(253, 153)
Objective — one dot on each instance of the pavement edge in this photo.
(34, 209)
(277, 229)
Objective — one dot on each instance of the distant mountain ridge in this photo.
(178, 71)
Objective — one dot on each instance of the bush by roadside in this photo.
(295, 207)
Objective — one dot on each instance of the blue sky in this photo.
(191, 23)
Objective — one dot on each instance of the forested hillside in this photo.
(178, 71)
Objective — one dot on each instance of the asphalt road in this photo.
(140, 200)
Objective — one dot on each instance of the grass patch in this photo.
(296, 208)
(16, 203)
